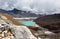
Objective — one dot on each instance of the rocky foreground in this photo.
(12, 29)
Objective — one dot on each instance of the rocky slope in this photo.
(50, 22)
(11, 29)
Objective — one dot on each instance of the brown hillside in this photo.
(10, 18)
(51, 22)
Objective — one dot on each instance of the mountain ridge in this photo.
(20, 13)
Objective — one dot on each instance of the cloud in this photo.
(37, 6)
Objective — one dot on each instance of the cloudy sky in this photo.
(37, 6)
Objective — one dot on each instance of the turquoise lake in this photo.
(27, 23)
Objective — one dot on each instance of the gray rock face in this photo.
(18, 32)
(22, 32)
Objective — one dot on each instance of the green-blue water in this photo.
(27, 23)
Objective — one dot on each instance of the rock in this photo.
(10, 30)
(9, 37)
(22, 32)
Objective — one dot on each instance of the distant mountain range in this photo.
(20, 13)
(51, 22)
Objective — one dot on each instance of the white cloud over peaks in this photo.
(38, 6)
(7, 4)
